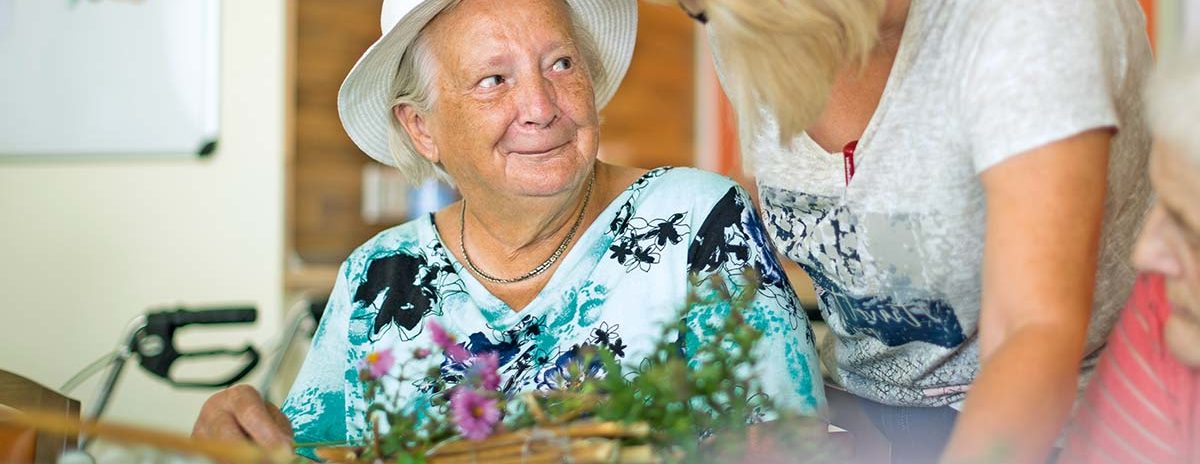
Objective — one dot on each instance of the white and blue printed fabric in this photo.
(627, 276)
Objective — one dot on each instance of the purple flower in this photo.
(485, 368)
(457, 353)
(439, 335)
(444, 340)
(475, 414)
(377, 364)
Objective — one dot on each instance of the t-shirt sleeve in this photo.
(1132, 409)
(316, 404)
(1037, 72)
(730, 249)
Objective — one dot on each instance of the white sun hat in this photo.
(365, 100)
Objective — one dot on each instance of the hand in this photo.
(238, 413)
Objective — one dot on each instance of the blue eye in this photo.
(491, 81)
(563, 64)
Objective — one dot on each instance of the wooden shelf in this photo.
(316, 279)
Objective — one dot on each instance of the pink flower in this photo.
(457, 353)
(439, 335)
(377, 364)
(421, 353)
(444, 340)
(475, 414)
(484, 369)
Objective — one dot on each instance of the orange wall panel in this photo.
(1148, 7)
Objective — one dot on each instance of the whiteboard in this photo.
(108, 77)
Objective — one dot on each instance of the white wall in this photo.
(1178, 27)
(1190, 11)
(85, 246)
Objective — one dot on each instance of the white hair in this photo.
(1171, 99)
(414, 86)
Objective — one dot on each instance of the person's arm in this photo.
(1044, 214)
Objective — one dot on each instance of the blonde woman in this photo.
(962, 181)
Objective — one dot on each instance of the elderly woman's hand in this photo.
(239, 413)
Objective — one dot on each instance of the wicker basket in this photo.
(577, 442)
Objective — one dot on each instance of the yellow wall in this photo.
(85, 246)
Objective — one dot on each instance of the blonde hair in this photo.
(1171, 96)
(414, 85)
(780, 57)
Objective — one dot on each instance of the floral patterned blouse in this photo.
(626, 277)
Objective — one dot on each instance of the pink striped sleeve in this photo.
(1140, 403)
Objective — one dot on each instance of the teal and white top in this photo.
(626, 277)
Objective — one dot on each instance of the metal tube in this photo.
(296, 318)
(124, 352)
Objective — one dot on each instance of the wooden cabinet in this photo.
(20, 444)
(325, 171)
(650, 122)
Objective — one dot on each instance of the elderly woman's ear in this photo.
(417, 127)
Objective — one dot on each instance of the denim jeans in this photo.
(895, 434)
(917, 435)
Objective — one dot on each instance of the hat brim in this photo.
(365, 100)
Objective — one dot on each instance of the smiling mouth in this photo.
(535, 153)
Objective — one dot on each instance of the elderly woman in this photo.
(963, 182)
(549, 250)
(1144, 403)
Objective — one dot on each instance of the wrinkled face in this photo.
(515, 111)
(1170, 245)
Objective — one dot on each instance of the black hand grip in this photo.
(155, 343)
(316, 309)
(232, 315)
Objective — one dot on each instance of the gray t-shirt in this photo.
(896, 255)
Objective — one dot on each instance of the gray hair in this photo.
(1171, 100)
(414, 86)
